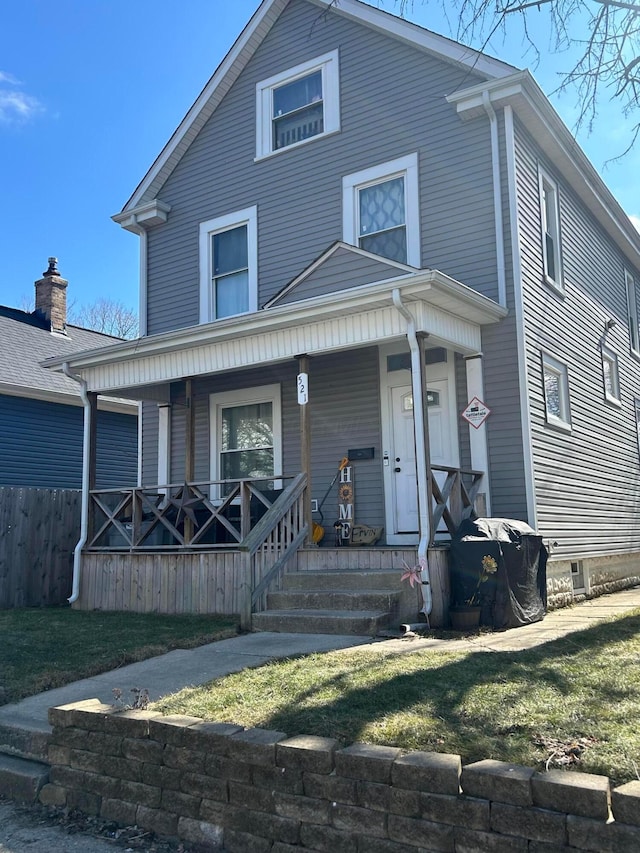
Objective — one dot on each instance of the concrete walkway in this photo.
(181, 668)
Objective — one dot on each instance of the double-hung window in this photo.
(246, 434)
(381, 210)
(550, 218)
(298, 105)
(610, 376)
(556, 392)
(228, 265)
(632, 313)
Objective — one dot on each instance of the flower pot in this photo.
(465, 617)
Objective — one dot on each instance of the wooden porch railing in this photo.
(271, 544)
(265, 527)
(181, 515)
(454, 500)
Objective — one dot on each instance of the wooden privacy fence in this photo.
(39, 529)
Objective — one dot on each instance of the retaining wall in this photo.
(253, 790)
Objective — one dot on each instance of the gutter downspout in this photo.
(497, 198)
(84, 511)
(421, 465)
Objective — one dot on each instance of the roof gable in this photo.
(341, 267)
(246, 45)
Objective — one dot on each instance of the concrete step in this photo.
(21, 779)
(325, 599)
(24, 739)
(362, 623)
(364, 580)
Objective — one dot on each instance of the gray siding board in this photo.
(41, 445)
(587, 482)
(299, 192)
(344, 269)
(345, 414)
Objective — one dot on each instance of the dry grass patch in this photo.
(572, 702)
(43, 648)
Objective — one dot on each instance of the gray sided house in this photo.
(41, 412)
(368, 241)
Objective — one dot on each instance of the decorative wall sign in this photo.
(476, 413)
(344, 524)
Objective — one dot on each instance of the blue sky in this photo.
(91, 90)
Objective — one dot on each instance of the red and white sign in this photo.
(476, 413)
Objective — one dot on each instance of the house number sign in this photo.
(303, 388)
(476, 413)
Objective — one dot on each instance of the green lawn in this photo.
(574, 702)
(49, 647)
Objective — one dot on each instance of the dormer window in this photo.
(298, 105)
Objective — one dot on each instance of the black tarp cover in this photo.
(517, 593)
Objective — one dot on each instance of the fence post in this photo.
(245, 592)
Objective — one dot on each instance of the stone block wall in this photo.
(226, 788)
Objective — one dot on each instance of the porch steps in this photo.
(335, 602)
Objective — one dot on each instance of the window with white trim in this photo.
(298, 105)
(550, 218)
(229, 265)
(556, 392)
(246, 434)
(610, 376)
(380, 209)
(632, 313)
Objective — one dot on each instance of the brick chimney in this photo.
(51, 297)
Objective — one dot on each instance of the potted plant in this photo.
(466, 616)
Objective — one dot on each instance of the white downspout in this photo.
(497, 199)
(84, 510)
(421, 452)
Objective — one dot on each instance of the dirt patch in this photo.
(42, 829)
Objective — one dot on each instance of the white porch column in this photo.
(478, 436)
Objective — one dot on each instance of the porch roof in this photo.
(360, 316)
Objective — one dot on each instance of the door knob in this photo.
(397, 470)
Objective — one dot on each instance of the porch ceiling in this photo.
(360, 316)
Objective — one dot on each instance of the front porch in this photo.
(177, 549)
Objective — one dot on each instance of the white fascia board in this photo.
(415, 287)
(107, 404)
(418, 36)
(224, 76)
(534, 109)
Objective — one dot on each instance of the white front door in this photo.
(403, 460)
(398, 441)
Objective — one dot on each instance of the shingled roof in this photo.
(26, 341)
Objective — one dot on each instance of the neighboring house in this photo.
(41, 412)
(375, 207)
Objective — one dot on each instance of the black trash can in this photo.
(501, 565)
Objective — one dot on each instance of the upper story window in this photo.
(228, 265)
(632, 313)
(550, 217)
(556, 392)
(381, 210)
(298, 105)
(610, 376)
